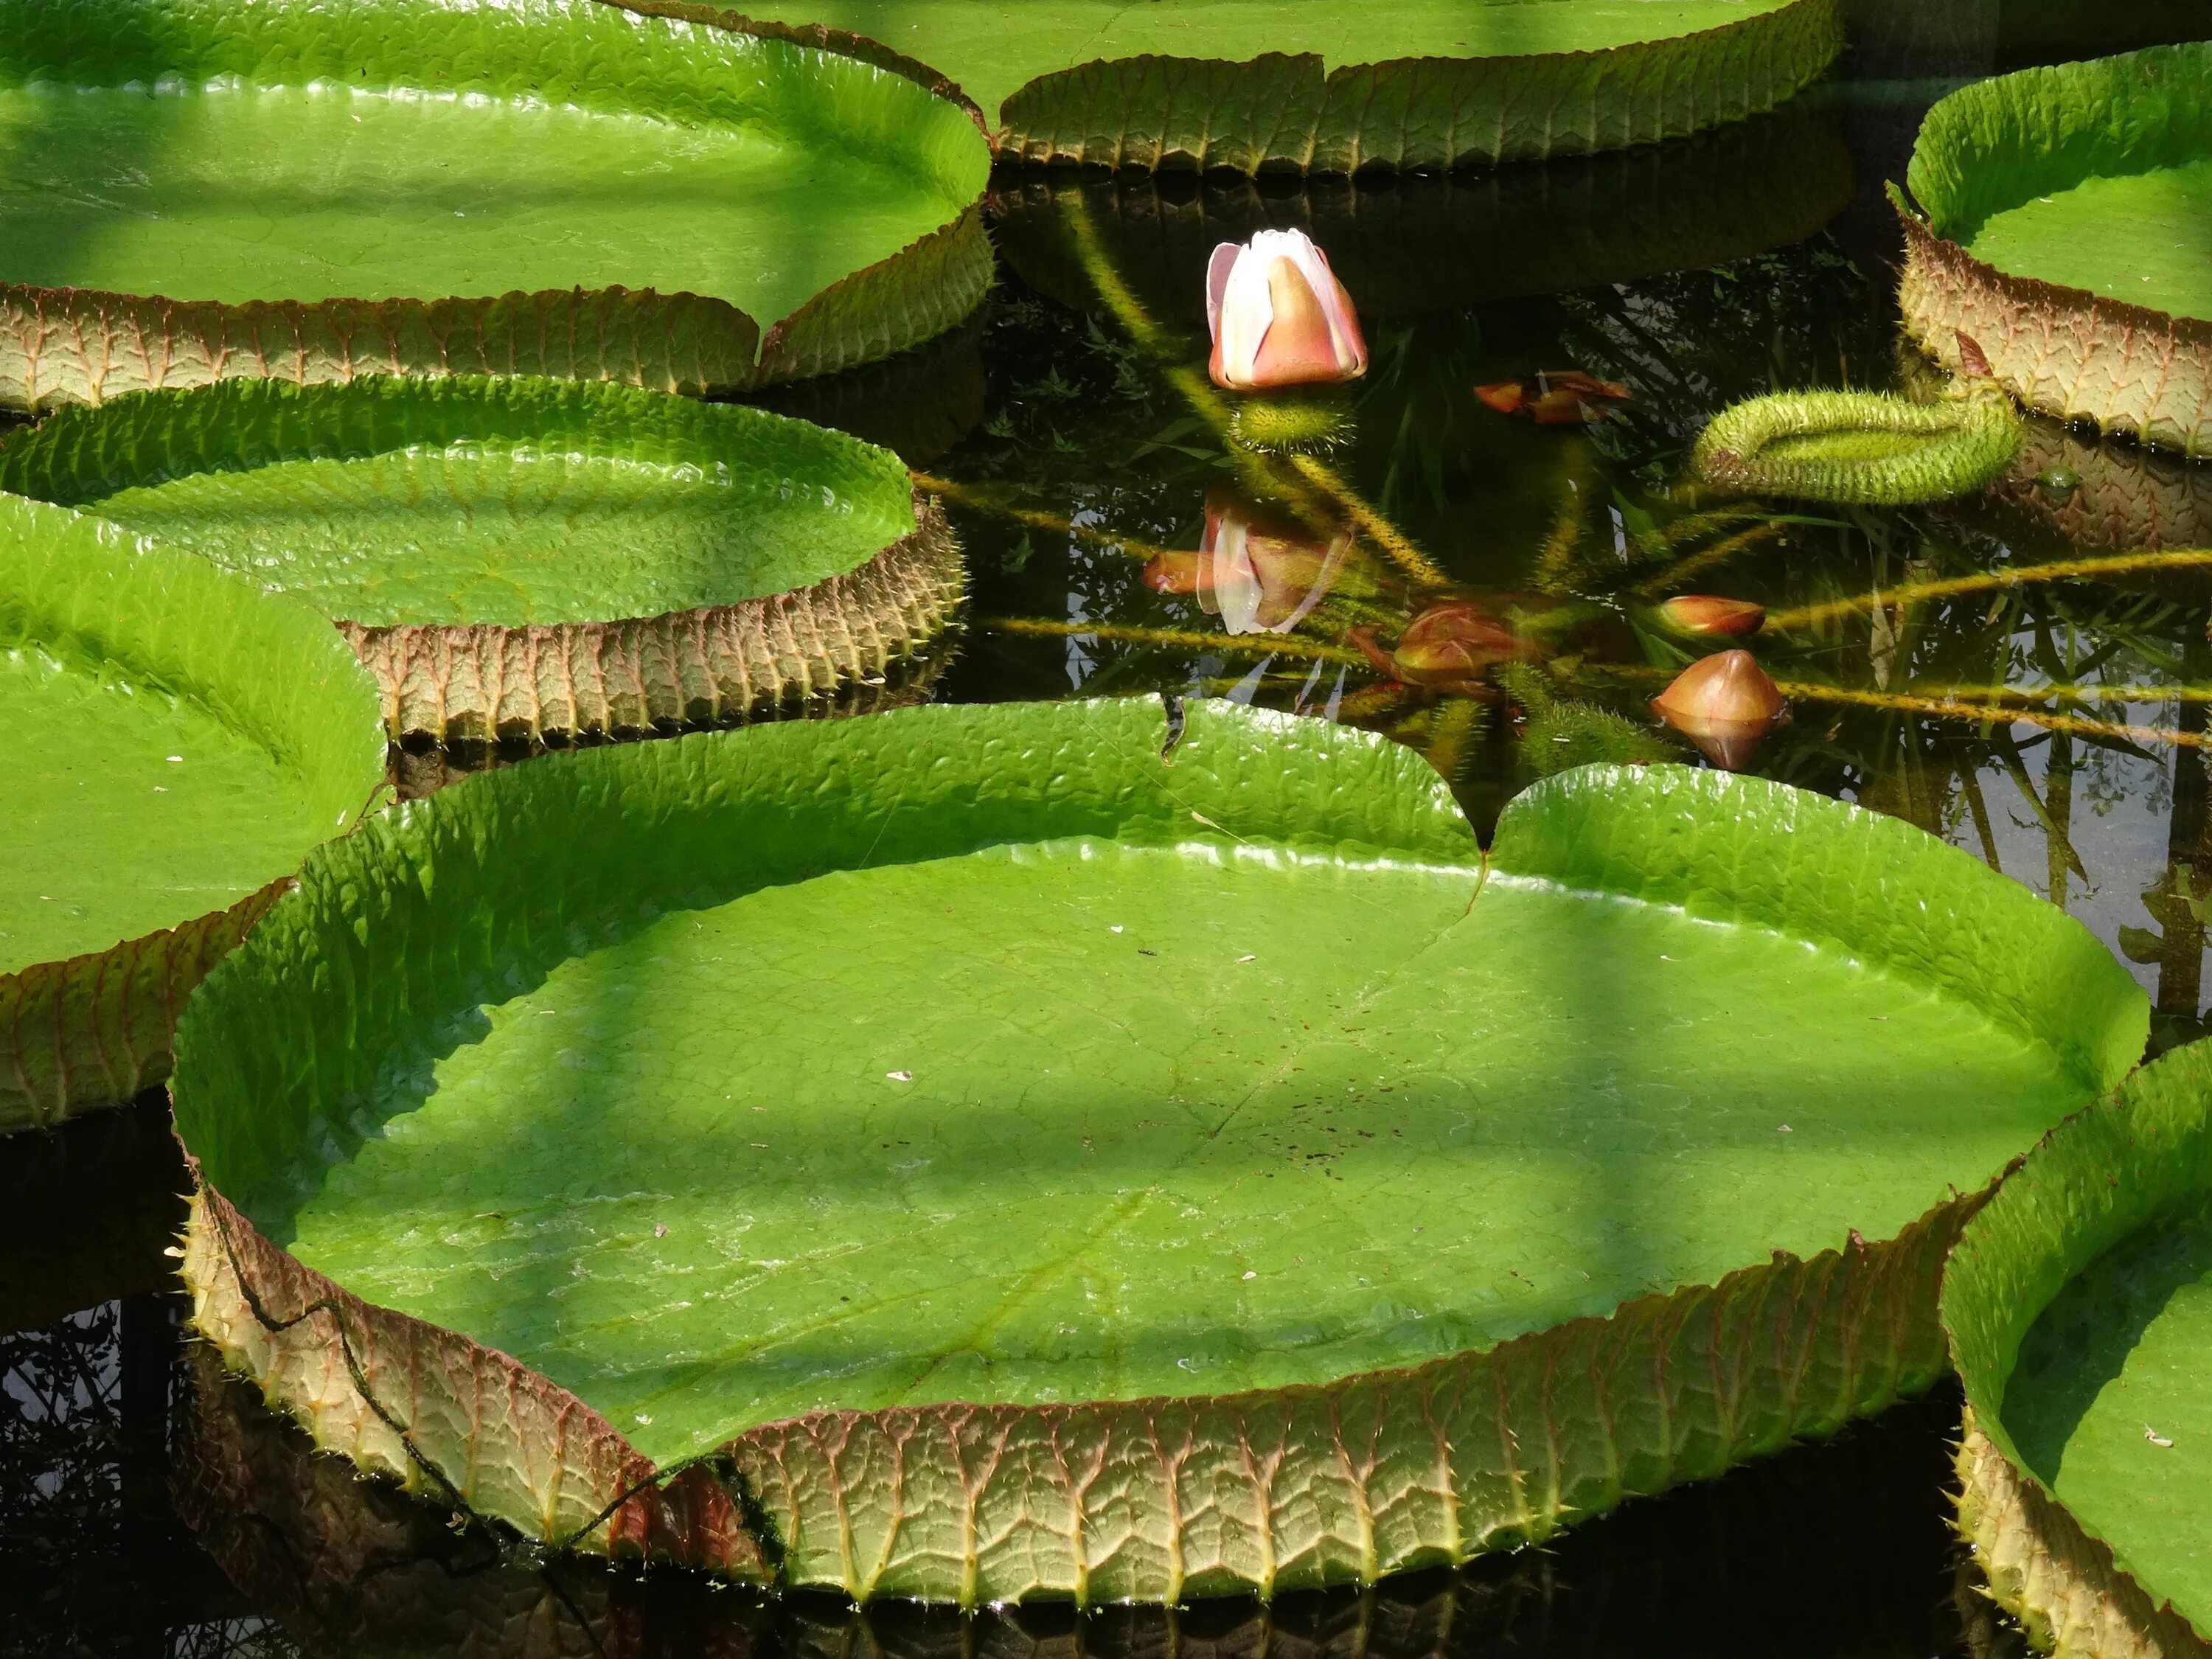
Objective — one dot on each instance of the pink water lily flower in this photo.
(1278, 316)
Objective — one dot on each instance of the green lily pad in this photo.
(1289, 1193)
(178, 742)
(2079, 1306)
(1414, 246)
(1423, 83)
(2068, 231)
(680, 562)
(197, 191)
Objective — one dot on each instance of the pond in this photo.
(2025, 674)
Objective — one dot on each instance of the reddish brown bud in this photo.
(1704, 616)
(1450, 642)
(1725, 704)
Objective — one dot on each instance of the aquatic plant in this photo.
(518, 557)
(1279, 317)
(1864, 448)
(181, 739)
(1419, 84)
(467, 186)
(2049, 202)
(1707, 616)
(1724, 703)
(1560, 733)
(927, 1401)
(1450, 646)
(2074, 1305)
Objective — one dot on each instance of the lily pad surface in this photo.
(1014, 1146)
(2080, 1308)
(2068, 230)
(178, 742)
(309, 192)
(1286, 83)
(490, 521)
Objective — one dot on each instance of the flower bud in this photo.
(1704, 615)
(1449, 647)
(1725, 704)
(1278, 316)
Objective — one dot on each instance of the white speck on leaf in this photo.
(1783, 1130)
(1248, 959)
(1248, 1274)
(660, 1230)
(2155, 1437)
(1115, 928)
(900, 1077)
(646, 1418)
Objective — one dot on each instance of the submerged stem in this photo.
(981, 501)
(1255, 645)
(1987, 713)
(2060, 570)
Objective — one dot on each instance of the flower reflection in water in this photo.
(1258, 568)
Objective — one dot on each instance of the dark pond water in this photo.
(2024, 675)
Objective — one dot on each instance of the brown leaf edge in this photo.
(61, 345)
(94, 1029)
(704, 667)
(1285, 110)
(2074, 1600)
(2064, 351)
(1157, 1500)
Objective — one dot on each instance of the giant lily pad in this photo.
(1410, 245)
(1033, 1166)
(2066, 232)
(511, 557)
(1247, 84)
(2079, 1307)
(176, 742)
(196, 190)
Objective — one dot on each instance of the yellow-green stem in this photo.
(1253, 645)
(2060, 570)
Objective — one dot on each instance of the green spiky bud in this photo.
(1292, 425)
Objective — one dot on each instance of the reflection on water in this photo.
(1839, 1549)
